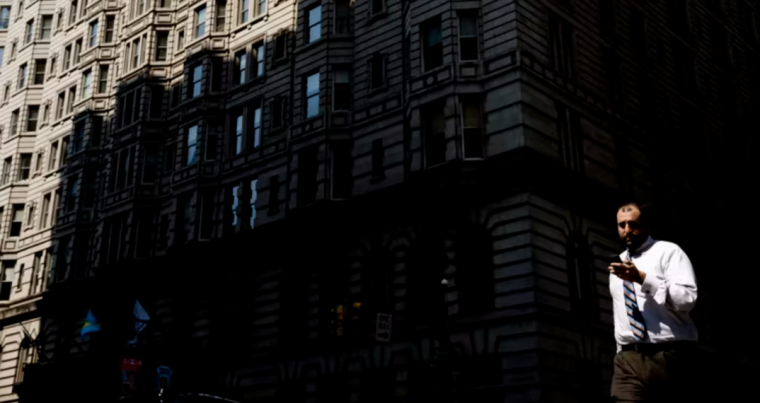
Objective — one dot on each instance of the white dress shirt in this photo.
(665, 298)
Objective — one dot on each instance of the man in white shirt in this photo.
(653, 291)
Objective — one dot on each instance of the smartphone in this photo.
(614, 259)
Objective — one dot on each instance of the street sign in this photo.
(383, 330)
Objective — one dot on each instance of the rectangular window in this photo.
(278, 113)
(73, 12)
(110, 23)
(207, 215)
(29, 32)
(280, 47)
(162, 45)
(136, 53)
(40, 66)
(22, 76)
(560, 45)
(243, 13)
(378, 163)
(168, 158)
(314, 24)
(235, 207)
(241, 64)
(150, 166)
(53, 61)
(78, 144)
(24, 167)
(261, 8)
(191, 143)
(221, 13)
(180, 39)
(53, 159)
(312, 95)
(156, 102)
(77, 51)
(342, 96)
(343, 20)
(432, 44)
(64, 151)
(258, 54)
(472, 128)
(5, 17)
(468, 36)
(46, 113)
(45, 212)
(164, 4)
(7, 164)
(274, 194)
(254, 129)
(8, 269)
(17, 219)
(97, 131)
(378, 7)
(200, 22)
(2, 53)
(70, 101)
(87, 84)
(67, 58)
(434, 132)
(103, 79)
(54, 207)
(94, 34)
(216, 73)
(72, 193)
(238, 124)
(15, 116)
(307, 176)
(47, 28)
(211, 146)
(176, 95)
(30, 216)
(377, 71)
(60, 105)
(197, 80)
(342, 169)
(32, 116)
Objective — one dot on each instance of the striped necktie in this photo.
(636, 320)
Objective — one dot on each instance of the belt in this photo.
(657, 347)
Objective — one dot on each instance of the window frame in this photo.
(200, 25)
(310, 95)
(310, 25)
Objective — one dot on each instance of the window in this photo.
(162, 45)
(342, 169)
(241, 61)
(2, 53)
(378, 7)
(7, 164)
(434, 132)
(221, 13)
(59, 105)
(312, 95)
(39, 71)
(307, 176)
(432, 44)
(29, 32)
(238, 125)
(207, 215)
(176, 95)
(278, 112)
(46, 113)
(258, 54)
(254, 129)
(168, 158)
(185, 221)
(73, 12)
(150, 166)
(235, 207)
(136, 52)
(200, 21)
(30, 216)
(280, 46)
(110, 21)
(47, 28)
(22, 76)
(53, 162)
(314, 24)
(13, 50)
(54, 207)
(274, 194)
(53, 61)
(77, 51)
(197, 79)
(156, 102)
(180, 39)
(70, 101)
(32, 115)
(93, 33)
(378, 156)
(211, 145)
(17, 219)
(8, 267)
(87, 84)
(262, 7)
(216, 73)
(72, 193)
(24, 167)
(45, 213)
(66, 58)
(191, 144)
(64, 150)
(138, 8)
(59, 21)
(103, 79)
(7, 92)
(78, 144)
(343, 17)
(164, 3)
(342, 96)
(560, 44)
(377, 71)
(129, 108)
(123, 162)
(243, 13)
(468, 36)
(5, 17)
(97, 131)
(472, 128)
(15, 116)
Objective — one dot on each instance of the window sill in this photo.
(248, 24)
(312, 44)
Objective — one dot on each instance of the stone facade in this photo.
(249, 169)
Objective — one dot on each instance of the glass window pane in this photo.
(315, 15)
(312, 84)
(467, 26)
(313, 107)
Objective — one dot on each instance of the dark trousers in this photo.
(667, 373)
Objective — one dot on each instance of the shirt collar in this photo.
(646, 245)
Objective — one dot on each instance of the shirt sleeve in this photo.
(676, 286)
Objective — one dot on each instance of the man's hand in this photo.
(627, 271)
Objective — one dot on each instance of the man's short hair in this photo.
(644, 211)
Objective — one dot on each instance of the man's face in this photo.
(630, 228)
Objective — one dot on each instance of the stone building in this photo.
(266, 177)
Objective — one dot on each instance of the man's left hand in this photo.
(627, 271)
